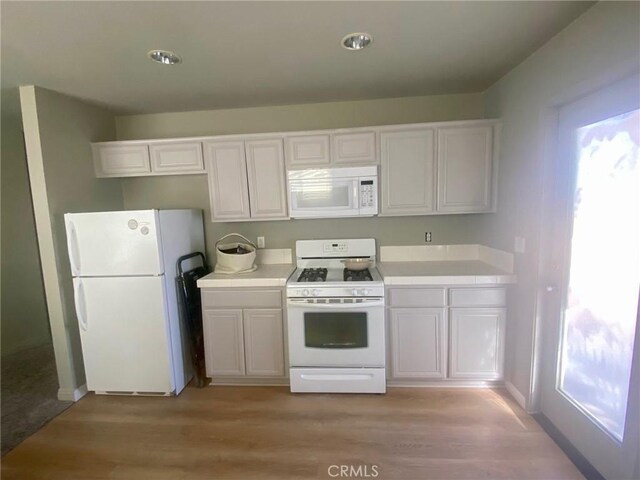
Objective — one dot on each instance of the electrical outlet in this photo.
(519, 245)
(260, 242)
(427, 237)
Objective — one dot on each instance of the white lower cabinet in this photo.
(263, 342)
(448, 334)
(418, 342)
(243, 337)
(476, 343)
(224, 346)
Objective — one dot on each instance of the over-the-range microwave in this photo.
(333, 192)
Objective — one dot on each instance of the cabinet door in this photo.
(307, 151)
(223, 342)
(176, 157)
(354, 148)
(265, 169)
(418, 342)
(121, 160)
(263, 342)
(477, 343)
(407, 172)
(227, 174)
(465, 161)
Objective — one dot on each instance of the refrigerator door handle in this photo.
(81, 305)
(74, 254)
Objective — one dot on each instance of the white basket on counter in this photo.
(241, 260)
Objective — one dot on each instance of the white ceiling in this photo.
(240, 54)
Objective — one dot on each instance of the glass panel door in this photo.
(589, 386)
(601, 301)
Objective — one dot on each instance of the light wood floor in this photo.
(267, 432)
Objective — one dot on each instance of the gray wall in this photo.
(67, 126)
(24, 311)
(598, 48)
(191, 190)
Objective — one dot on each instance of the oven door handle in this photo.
(334, 306)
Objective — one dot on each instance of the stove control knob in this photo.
(354, 292)
(364, 291)
(305, 293)
(315, 292)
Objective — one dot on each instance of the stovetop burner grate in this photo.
(313, 275)
(357, 275)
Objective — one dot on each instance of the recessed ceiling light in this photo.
(356, 41)
(164, 57)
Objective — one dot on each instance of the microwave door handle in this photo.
(356, 194)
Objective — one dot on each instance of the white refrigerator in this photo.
(123, 266)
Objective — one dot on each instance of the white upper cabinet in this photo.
(267, 186)
(323, 150)
(426, 169)
(175, 158)
(465, 169)
(129, 159)
(121, 160)
(407, 175)
(354, 148)
(246, 180)
(227, 174)
(308, 151)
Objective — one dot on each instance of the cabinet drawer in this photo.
(218, 298)
(477, 297)
(417, 297)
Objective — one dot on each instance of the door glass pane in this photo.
(335, 330)
(602, 300)
(323, 195)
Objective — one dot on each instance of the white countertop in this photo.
(452, 272)
(269, 275)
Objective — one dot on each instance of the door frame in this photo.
(559, 176)
(548, 120)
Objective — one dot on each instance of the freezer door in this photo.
(114, 243)
(124, 332)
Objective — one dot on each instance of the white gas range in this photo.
(336, 319)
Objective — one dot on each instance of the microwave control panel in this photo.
(368, 195)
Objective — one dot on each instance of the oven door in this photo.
(324, 197)
(336, 334)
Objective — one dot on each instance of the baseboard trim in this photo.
(581, 463)
(444, 384)
(515, 393)
(68, 395)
